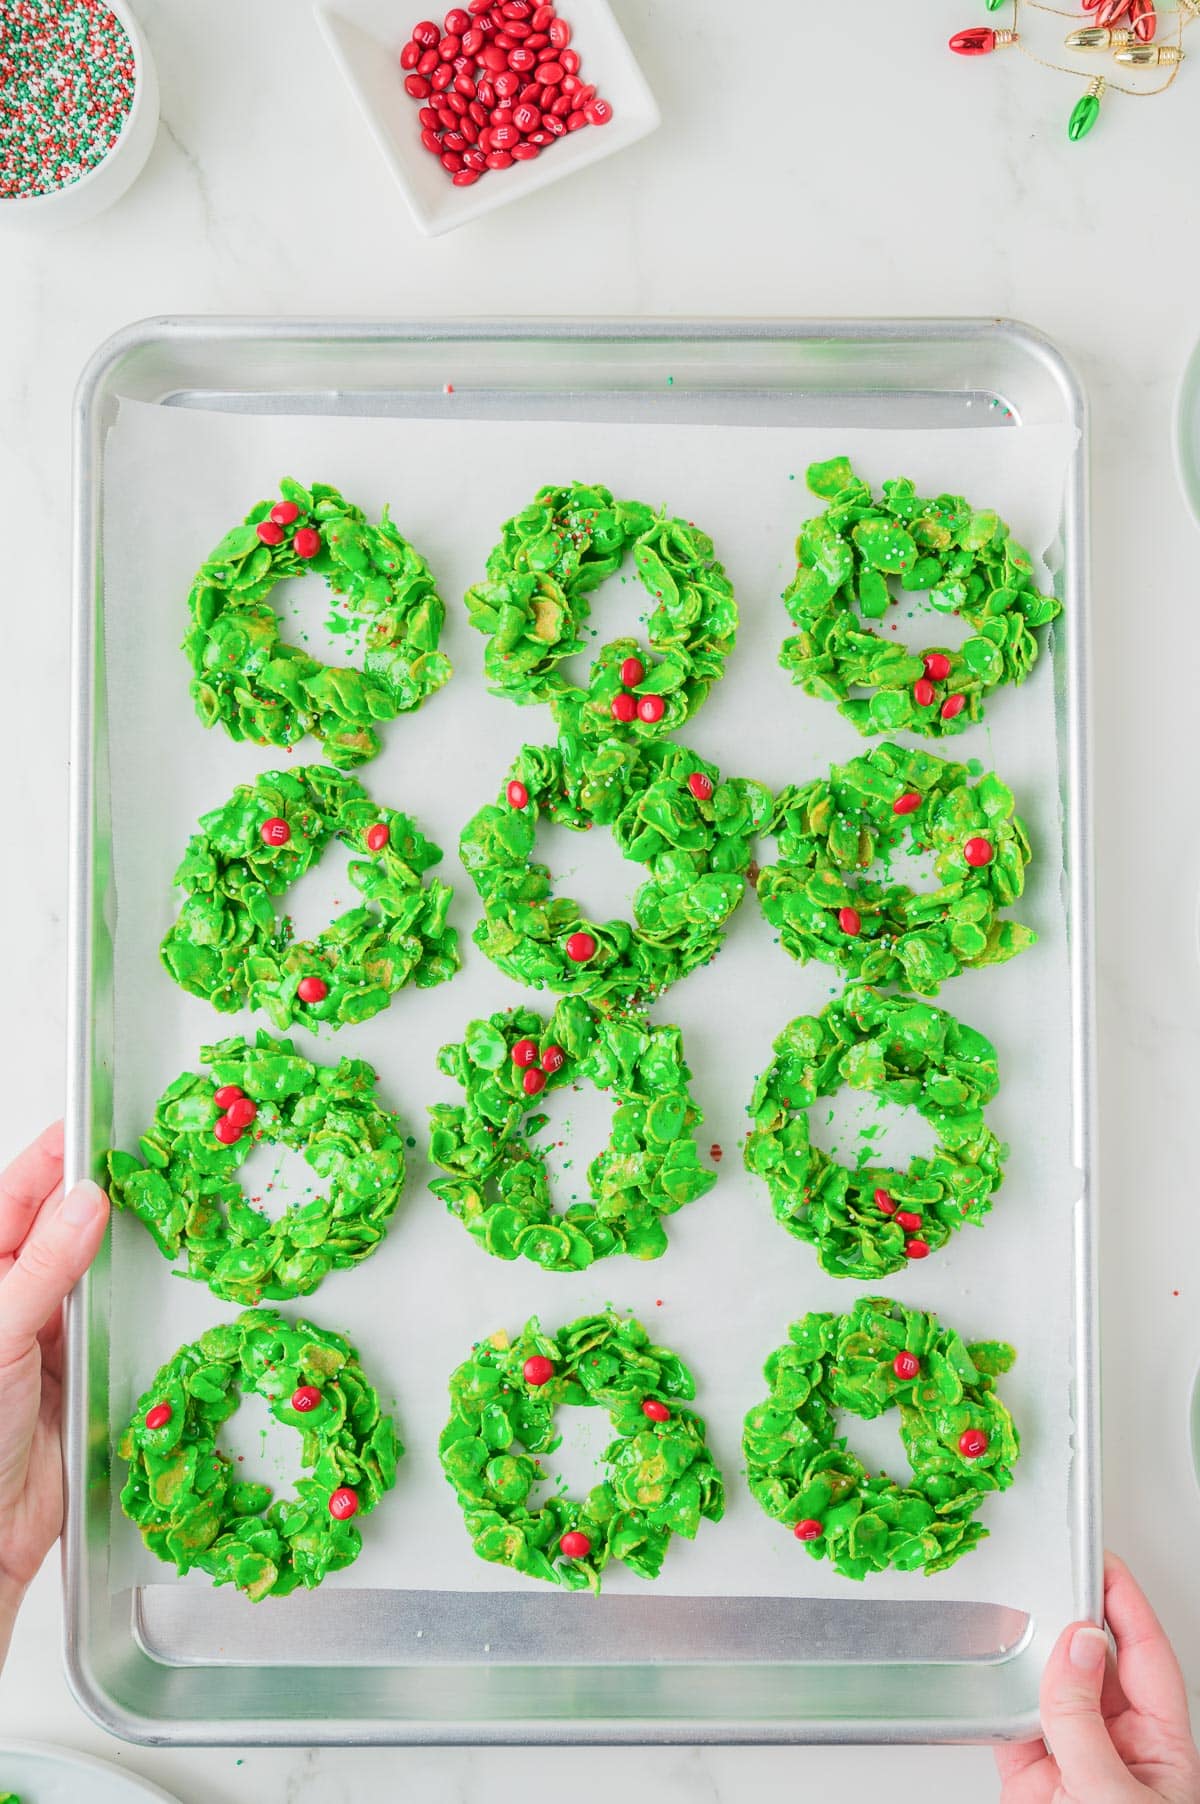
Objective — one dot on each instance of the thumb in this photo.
(1072, 1724)
(57, 1251)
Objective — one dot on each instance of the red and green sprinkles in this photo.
(66, 88)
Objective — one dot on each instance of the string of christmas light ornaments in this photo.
(1127, 29)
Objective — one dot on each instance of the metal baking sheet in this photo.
(161, 1661)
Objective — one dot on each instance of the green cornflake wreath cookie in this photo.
(886, 932)
(227, 944)
(669, 810)
(188, 1193)
(871, 1220)
(183, 1493)
(534, 607)
(498, 1186)
(848, 559)
(273, 693)
(957, 1436)
(661, 1478)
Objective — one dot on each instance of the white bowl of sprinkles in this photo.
(78, 109)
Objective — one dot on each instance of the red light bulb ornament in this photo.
(981, 40)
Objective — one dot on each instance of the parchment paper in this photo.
(732, 1279)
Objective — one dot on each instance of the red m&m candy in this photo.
(972, 1442)
(226, 1094)
(701, 785)
(306, 1398)
(538, 1369)
(226, 1131)
(518, 795)
(651, 708)
(534, 1081)
(378, 836)
(624, 708)
(159, 1416)
(978, 852)
(908, 803)
(553, 1059)
(850, 921)
(284, 512)
(275, 832)
(632, 671)
(241, 1112)
(307, 542)
(580, 948)
(344, 1503)
(575, 1544)
(937, 666)
(656, 1411)
(906, 1365)
(808, 1529)
(269, 532)
(524, 1053)
(312, 989)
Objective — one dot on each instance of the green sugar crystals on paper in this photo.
(187, 1192)
(859, 556)
(227, 944)
(272, 693)
(183, 1493)
(496, 1180)
(660, 1478)
(903, 1052)
(958, 1438)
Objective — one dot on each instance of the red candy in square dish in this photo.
(498, 82)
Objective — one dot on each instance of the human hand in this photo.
(47, 1242)
(1111, 1735)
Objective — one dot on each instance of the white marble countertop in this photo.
(864, 172)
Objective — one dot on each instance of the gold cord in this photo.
(1185, 15)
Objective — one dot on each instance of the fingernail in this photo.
(1089, 1649)
(81, 1205)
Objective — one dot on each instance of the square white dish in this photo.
(365, 38)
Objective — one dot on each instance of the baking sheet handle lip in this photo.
(881, 329)
(143, 1731)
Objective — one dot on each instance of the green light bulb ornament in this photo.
(1086, 110)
